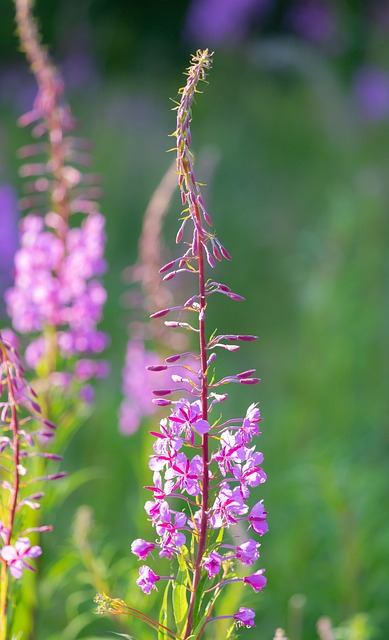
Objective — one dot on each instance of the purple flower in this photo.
(56, 281)
(257, 518)
(147, 579)
(212, 563)
(189, 416)
(142, 548)
(228, 504)
(247, 552)
(257, 580)
(245, 617)
(16, 556)
(250, 424)
(168, 530)
(371, 90)
(188, 472)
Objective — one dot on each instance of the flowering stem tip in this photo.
(205, 463)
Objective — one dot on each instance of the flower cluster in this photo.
(206, 465)
(19, 445)
(57, 285)
(235, 471)
(57, 292)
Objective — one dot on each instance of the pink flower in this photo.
(189, 416)
(15, 556)
(257, 518)
(142, 548)
(245, 617)
(147, 579)
(212, 563)
(247, 552)
(257, 580)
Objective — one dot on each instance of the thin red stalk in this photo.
(16, 478)
(205, 447)
(16, 456)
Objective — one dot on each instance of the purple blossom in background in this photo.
(139, 382)
(371, 91)
(8, 236)
(57, 297)
(57, 284)
(217, 22)
(137, 386)
(314, 20)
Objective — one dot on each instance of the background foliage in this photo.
(299, 131)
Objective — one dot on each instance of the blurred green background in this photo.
(297, 116)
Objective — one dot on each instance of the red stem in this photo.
(16, 482)
(205, 447)
(16, 479)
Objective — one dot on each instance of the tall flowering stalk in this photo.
(205, 463)
(57, 295)
(22, 427)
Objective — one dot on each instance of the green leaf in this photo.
(162, 633)
(180, 606)
(199, 598)
(179, 599)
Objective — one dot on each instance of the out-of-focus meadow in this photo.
(293, 138)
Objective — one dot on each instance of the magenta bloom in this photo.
(189, 416)
(257, 580)
(142, 548)
(257, 518)
(245, 617)
(212, 564)
(147, 579)
(247, 552)
(16, 556)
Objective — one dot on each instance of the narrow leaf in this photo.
(162, 633)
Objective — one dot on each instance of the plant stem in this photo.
(13, 503)
(205, 447)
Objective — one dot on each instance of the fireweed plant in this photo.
(57, 297)
(202, 462)
(22, 429)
